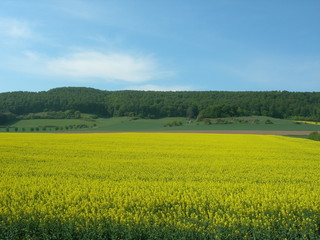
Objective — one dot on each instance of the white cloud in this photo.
(150, 87)
(91, 64)
(14, 28)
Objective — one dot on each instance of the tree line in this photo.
(151, 104)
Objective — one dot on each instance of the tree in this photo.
(71, 102)
(192, 111)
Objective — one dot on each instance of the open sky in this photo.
(233, 45)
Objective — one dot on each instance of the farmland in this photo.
(158, 186)
(128, 124)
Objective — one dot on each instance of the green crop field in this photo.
(164, 124)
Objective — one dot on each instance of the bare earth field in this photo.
(300, 133)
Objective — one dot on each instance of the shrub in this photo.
(134, 118)
(173, 124)
(268, 121)
(207, 121)
(314, 136)
(256, 121)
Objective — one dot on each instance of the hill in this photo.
(69, 102)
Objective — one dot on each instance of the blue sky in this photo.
(232, 45)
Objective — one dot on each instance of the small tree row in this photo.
(48, 128)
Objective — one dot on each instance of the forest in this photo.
(70, 102)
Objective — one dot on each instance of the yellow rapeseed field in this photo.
(158, 186)
(309, 122)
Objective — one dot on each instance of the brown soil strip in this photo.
(300, 133)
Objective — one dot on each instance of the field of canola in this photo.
(309, 122)
(158, 186)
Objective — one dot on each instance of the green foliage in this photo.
(173, 124)
(207, 121)
(143, 124)
(223, 110)
(256, 121)
(70, 114)
(192, 111)
(223, 121)
(7, 117)
(68, 102)
(268, 121)
(314, 136)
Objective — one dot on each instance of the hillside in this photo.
(68, 102)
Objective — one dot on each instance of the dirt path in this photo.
(301, 133)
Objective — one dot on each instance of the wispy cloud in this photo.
(14, 28)
(91, 66)
(113, 66)
(150, 87)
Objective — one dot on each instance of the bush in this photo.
(314, 136)
(223, 121)
(173, 124)
(207, 121)
(256, 121)
(134, 118)
(268, 121)
(69, 114)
